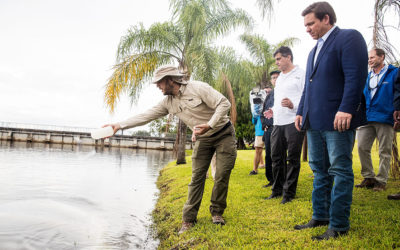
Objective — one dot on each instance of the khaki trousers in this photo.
(224, 144)
(365, 137)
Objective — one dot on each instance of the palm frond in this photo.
(262, 54)
(160, 36)
(240, 74)
(193, 20)
(267, 8)
(227, 56)
(130, 75)
(210, 6)
(204, 62)
(289, 42)
(258, 47)
(224, 21)
(213, 5)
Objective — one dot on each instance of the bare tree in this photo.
(380, 37)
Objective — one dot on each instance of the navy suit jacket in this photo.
(396, 102)
(336, 81)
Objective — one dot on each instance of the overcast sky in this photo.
(56, 56)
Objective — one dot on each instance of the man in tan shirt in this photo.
(205, 111)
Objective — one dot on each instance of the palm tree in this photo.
(262, 54)
(185, 41)
(234, 80)
(380, 38)
(243, 75)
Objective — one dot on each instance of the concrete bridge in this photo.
(76, 135)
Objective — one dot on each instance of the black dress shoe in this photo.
(252, 172)
(394, 196)
(286, 200)
(272, 196)
(330, 233)
(312, 223)
(268, 185)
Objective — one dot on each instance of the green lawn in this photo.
(255, 223)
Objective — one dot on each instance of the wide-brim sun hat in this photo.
(166, 70)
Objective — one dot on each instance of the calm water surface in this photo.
(77, 197)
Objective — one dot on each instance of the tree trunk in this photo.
(231, 98)
(240, 144)
(375, 28)
(180, 143)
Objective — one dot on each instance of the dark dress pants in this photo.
(286, 144)
(268, 160)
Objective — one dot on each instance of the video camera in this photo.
(257, 98)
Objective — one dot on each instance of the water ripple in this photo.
(77, 198)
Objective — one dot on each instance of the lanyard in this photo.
(375, 78)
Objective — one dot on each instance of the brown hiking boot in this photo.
(217, 219)
(367, 183)
(185, 226)
(379, 187)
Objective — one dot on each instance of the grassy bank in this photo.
(255, 223)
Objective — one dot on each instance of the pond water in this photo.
(77, 197)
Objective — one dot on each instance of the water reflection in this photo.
(55, 196)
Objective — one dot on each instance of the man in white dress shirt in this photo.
(286, 141)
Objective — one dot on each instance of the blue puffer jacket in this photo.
(380, 108)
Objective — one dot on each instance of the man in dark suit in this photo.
(396, 117)
(268, 125)
(330, 109)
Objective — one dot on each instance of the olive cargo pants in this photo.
(224, 144)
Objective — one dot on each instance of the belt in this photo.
(222, 129)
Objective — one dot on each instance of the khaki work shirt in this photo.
(197, 103)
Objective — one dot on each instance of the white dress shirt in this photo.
(375, 79)
(289, 85)
(321, 42)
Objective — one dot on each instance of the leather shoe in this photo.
(286, 200)
(394, 196)
(330, 233)
(268, 185)
(273, 196)
(367, 183)
(311, 224)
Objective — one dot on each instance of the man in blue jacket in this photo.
(330, 110)
(378, 94)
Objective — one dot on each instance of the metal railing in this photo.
(47, 127)
(66, 128)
